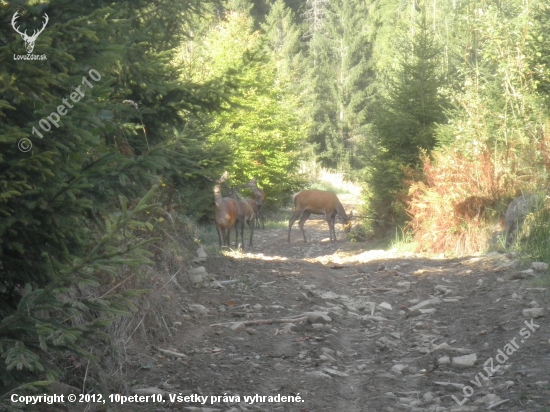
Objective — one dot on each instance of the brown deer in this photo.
(318, 202)
(248, 209)
(247, 212)
(260, 197)
(225, 213)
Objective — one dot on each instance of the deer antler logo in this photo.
(29, 40)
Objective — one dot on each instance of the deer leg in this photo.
(242, 235)
(251, 223)
(218, 230)
(223, 236)
(229, 234)
(257, 222)
(303, 219)
(229, 237)
(333, 226)
(237, 223)
(295, 216)
(330, 226)
(262, 218)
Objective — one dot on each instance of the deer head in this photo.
(349, 224)
(29, 40)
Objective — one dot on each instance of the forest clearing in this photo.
(274, 205)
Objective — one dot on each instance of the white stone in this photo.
(424, 303)
(533, 313)
(238, 327)
(385, 305)
(201, 252)
(444, 360)
(197, 271)
(318, 317)
(490, 398)
(540, 266)
(198, 309)
(399, 368)
(318, 374)
(217, 285)
(465, 361)
(443, 346)
(335, 372)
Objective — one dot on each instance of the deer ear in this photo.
(350, 214)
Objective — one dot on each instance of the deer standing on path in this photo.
(260, 198)
(247, 210)
(318, 202)
(225, 213)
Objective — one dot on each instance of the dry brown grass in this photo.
(449, 208)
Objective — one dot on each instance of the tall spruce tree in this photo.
(283, 36)
(337, 79)
(405, 121)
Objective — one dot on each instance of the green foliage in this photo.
(184, 94)
(498, 108)
(337, 79)
(404, 123)
(65, 315)
(490, 112)
(538, 47)
(259, 130)
(533, 236)
(283, 38)
(494, 145)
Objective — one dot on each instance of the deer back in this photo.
(318, 201)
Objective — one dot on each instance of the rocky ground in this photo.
(339, 327)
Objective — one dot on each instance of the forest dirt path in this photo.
(391, 332)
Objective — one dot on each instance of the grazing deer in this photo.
(260, 197)
(318, 202)
(225, 213)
